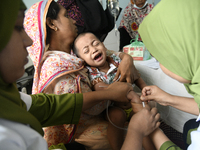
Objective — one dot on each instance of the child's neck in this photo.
(105, 67)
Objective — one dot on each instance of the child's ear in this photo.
(50, 23)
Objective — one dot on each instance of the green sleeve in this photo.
(169, 145)
(59, 146)
(51, 109)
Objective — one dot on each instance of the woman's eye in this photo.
(66, 15)
(19, 28)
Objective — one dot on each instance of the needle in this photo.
(143, 104)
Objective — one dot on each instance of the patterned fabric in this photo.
(73, 10)
(97, 76)
(58, 72)
(133, 17)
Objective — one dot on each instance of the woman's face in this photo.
(139, 3)
(14, 56)
(66, 26)
(173, 75)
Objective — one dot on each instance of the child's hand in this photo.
(156, 94)
(136, 103)
(134, 97)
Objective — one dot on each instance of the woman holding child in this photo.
(22, 116)
(58, 71)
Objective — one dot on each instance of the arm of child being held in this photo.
(140, 83)
(136, 103)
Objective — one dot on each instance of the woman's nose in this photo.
(27, 40)
(73, 21)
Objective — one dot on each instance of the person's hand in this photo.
(156, 94)
(145, 121)
(119, 91)
(126, 69)
(136, 103)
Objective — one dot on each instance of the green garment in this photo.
(51, 109)
(11, 106)
(169, 146)
(59, 146)
(8, 19)
(171, 33)
(46, 109)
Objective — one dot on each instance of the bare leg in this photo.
(114, 134)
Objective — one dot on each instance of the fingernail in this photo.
(142, 98)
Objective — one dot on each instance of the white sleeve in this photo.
(195, 144)
(10, 140)
(27, 99)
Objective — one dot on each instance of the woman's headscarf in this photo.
(72, 10)
(11, 106)
(35, 26)
(171, 32)
(48, 65)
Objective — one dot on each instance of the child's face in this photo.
(91, 49)
(139, 3)
(14, 56)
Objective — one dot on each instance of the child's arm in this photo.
(136, 103)
(140, 83)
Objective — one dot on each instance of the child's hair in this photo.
(52, 13)
(75, 50)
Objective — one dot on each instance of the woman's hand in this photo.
(119, 91)
(156, 94)
(141, 124)
(145, 121)
(126, 69)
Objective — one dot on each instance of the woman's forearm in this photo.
(184, 103)
(92, 98)
(133, 140)
(140, 83)
(158, 138)
(117, 91)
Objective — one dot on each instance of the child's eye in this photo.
(86, 51)
(96, 43)
(19, 28)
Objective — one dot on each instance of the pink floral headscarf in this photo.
(48, 65)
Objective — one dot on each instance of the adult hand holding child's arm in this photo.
(126, 69)
(141, 124)
(117, 91)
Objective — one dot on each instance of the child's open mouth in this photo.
(98, 56)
